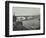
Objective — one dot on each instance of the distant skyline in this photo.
(26, 11)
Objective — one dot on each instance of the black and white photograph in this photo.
(24, 18)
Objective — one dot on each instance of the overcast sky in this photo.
(26, 11)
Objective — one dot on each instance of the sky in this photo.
(26, 11)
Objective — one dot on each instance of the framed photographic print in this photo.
(24, 18)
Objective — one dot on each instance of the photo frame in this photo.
(24, 18)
